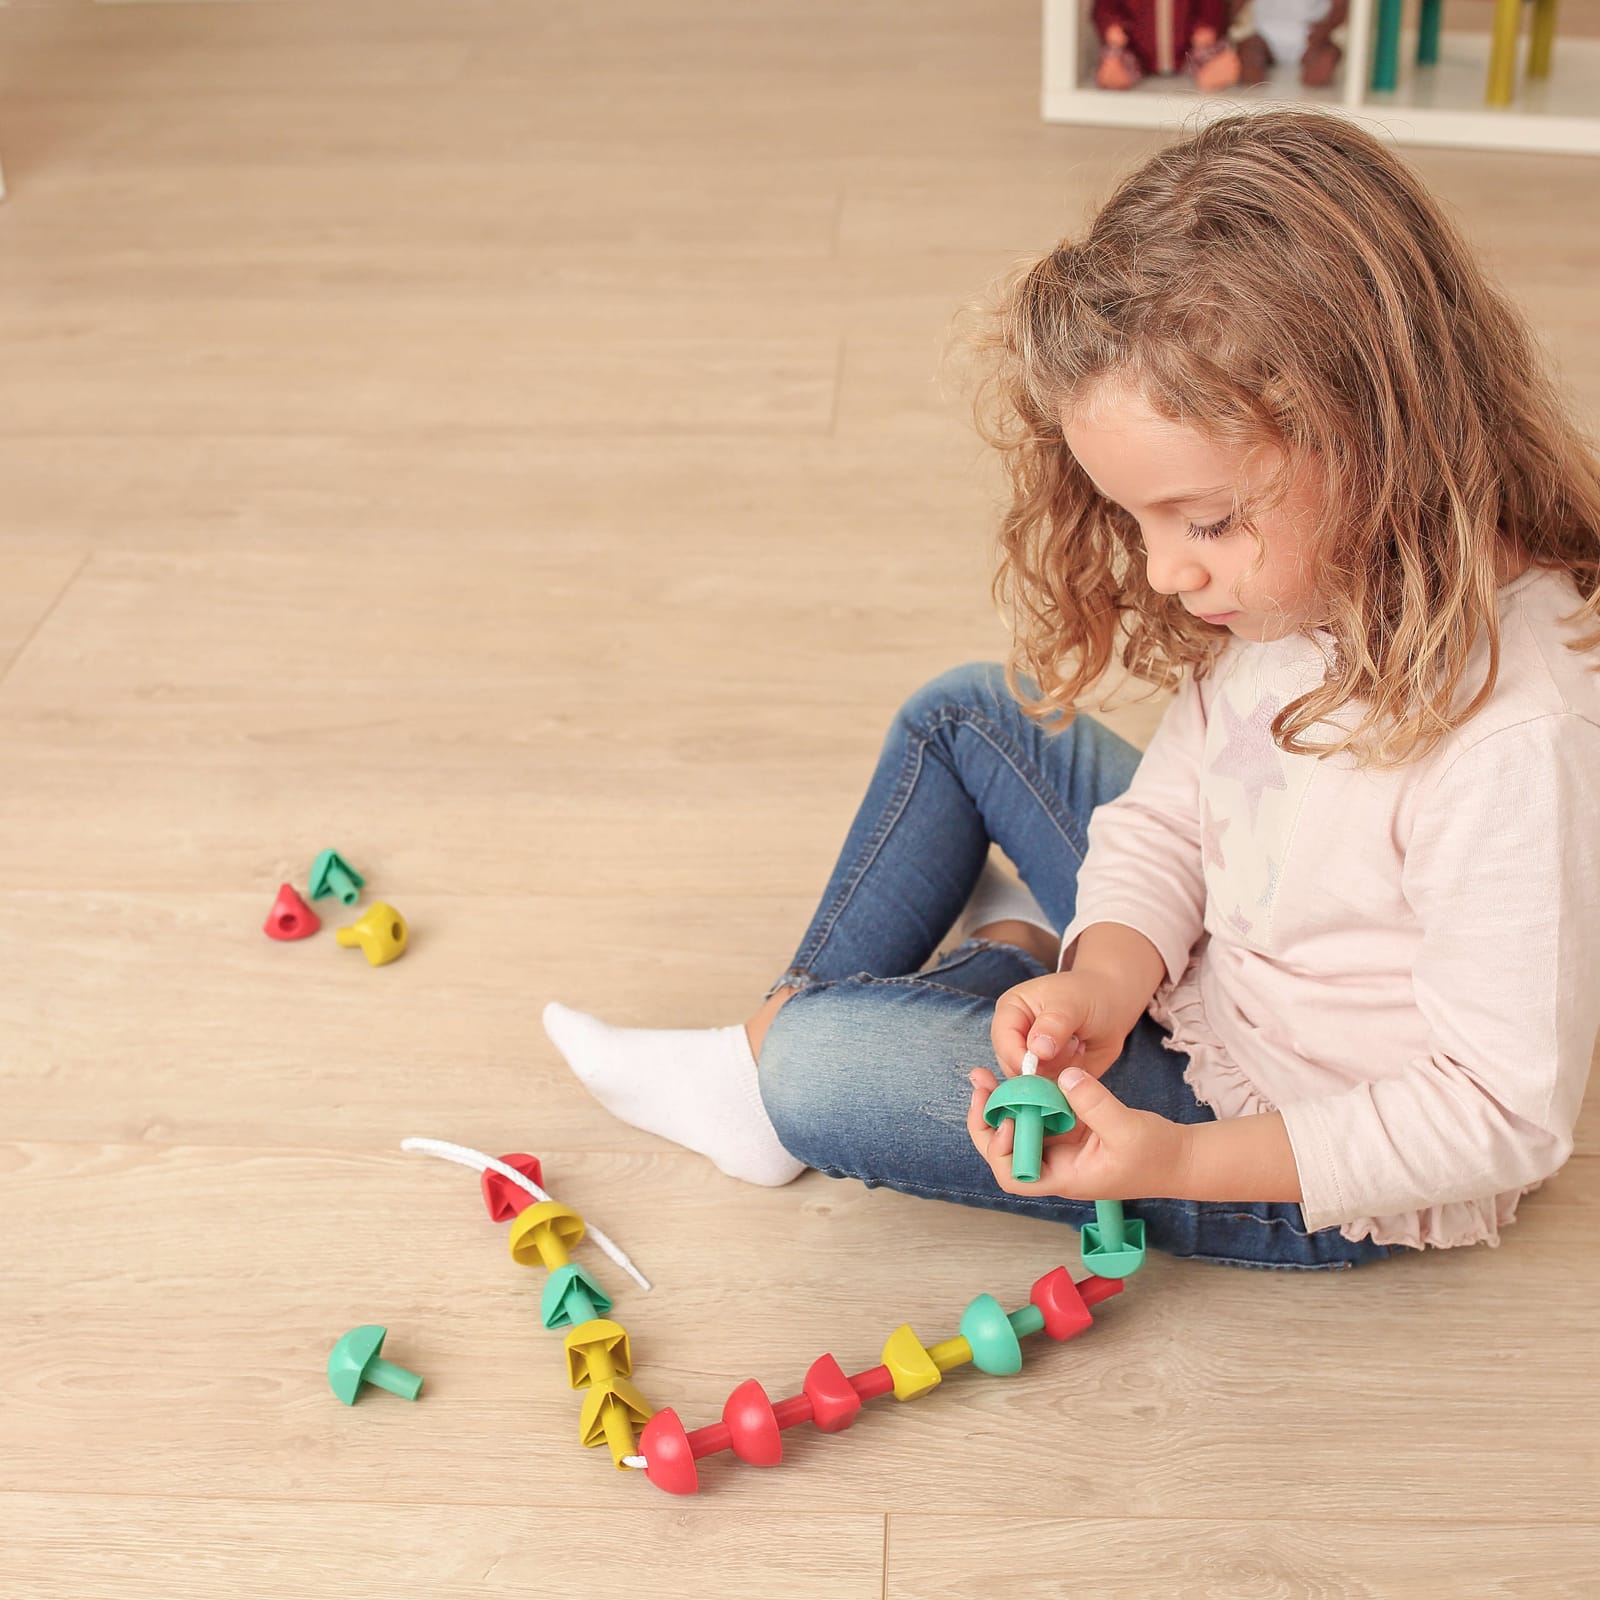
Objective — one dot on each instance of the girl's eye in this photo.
(1210, 530)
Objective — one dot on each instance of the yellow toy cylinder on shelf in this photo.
(1541, 38)
(1503, 53)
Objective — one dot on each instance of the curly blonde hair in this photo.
(1279, 278)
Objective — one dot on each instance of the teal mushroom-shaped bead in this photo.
(355, 1360)
(1037, 1107)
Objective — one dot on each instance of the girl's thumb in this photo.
(1092, 1103)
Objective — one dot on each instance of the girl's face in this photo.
(1181, 488)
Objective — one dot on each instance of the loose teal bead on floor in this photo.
(356, 1359)
(332, 874)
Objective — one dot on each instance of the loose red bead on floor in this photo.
(290, 917)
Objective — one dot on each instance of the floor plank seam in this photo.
(37, 628)
(791, 1508)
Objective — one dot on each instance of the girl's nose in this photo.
(1175, 572)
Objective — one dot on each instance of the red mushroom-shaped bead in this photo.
(752, 1426)
(834, 1402)
(668, 1460)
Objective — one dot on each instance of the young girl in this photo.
(1329, 980)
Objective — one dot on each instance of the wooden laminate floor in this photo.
(511, 442)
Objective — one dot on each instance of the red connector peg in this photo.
(290, 917)
(504, 1198)
(1065, 1304)
(872, 1383)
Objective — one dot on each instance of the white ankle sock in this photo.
(999, 897)
(695, 1086)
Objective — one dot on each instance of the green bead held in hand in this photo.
(1036, 1107)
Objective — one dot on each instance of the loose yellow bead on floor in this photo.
(381, 933)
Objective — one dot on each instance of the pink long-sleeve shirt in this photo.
(1404, 963)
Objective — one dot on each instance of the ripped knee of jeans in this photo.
(795, 978)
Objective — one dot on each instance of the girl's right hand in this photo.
(1068, 1019)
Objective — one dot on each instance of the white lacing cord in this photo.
(464, 1156)
(1030, 1064)
(635, 1461)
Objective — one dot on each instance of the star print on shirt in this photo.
(1240, 921)
(1250, 755)
(1211, 831)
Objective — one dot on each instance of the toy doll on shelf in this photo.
(1293, 31)
(1138, 37)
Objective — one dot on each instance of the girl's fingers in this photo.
(1009, 1033)
(976, 1126)
(1054, 1035)
(999, 1141)
(993, 1143)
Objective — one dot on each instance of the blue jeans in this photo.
(864, 1069)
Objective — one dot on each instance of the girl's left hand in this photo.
(1114, 1152)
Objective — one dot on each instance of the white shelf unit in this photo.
(1441, 104)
